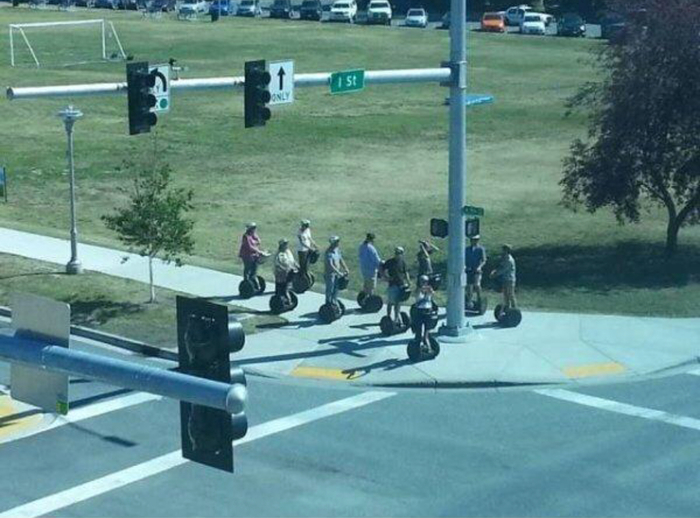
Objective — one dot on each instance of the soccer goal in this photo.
(64, 43)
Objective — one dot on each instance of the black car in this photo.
(612, 27)
(571, 24)
(281, 9)
(311, 10)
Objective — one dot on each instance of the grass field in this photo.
(372, 161)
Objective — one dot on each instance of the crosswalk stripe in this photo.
(621, 408)
(102, 485)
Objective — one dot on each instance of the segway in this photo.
(280, 304)
(476, 307)
(331, 312)
(390, 327)
(369, 304)
(511, 317)
(435, 279)
(249, 287)
(415, 349)
(303, 281)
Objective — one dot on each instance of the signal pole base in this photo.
(456, 335)
(74, 267)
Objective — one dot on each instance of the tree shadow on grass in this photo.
(628, 264)
(98, 310)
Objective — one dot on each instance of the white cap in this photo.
(250, 225)
(305, 222)
(399, 250)
(333, 239)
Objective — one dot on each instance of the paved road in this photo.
(595, 451)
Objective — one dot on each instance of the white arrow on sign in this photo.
(281, 82)
(162, 88)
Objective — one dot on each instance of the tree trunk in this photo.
(150, 277)
(674, 225)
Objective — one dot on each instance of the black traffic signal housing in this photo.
(256, 94)
(440, 227)
(206, 335)
(139, 82)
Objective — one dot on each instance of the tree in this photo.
(644, 129)
(154, 224)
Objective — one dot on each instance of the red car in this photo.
(493, 22)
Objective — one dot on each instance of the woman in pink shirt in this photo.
(250, 252)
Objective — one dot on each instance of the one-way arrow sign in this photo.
(281, 90)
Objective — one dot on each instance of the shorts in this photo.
(393, 295)
(370, 283)
(473, 278)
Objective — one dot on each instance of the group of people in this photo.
(394, 270)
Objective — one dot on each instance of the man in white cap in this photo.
(474, 261)
(397, 275)
(305, 244)
(335, 268)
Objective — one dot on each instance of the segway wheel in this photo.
(325, 313)
(387, 326)
(261, 285)
(434, 347)
(302, 282)
(341, 306)
(405, 320)
(361, 299)
(276, 305)
(413, 350)
(246, 289)
(512, 317)
(295, 301)
(373, 304)
(497, 313)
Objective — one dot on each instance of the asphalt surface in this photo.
(411, 453)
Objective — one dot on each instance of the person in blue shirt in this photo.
(369, 264)
(474, 261)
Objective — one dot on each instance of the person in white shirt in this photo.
(305, 244)
(285, 266)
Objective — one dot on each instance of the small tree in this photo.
(644, 133)
(154, 224)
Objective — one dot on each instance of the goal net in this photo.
(64, 43)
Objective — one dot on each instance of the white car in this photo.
(343, 11)
(192, 7)
(379, 11)
(416, 18)
(533, 23)
(514, 15)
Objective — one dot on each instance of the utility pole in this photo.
(69, 115)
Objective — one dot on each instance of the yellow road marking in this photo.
(9, 426)
(319, 372)
(594, 369)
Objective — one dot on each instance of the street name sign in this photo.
(468, 210)
(281, 82)
(347, 81)
(161, 89)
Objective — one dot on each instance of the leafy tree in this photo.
(644, 131)
(154, 223)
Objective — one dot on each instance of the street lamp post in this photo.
(69, 115)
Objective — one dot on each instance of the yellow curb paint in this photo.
(594, 369)
(9, 426)
(319, 372)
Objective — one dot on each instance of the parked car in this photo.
(161, 5)
(379, 11)
(249, 8)
(416, 18)
(221, 7)
(533, 23)
(311, 10)
(571, 24)
(281, 9)
(107, 4)
(344, 11)
(493, 22)
(612, 26)
(514, 15)
(192, 7)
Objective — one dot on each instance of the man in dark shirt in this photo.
(474, 261)
(397, 275)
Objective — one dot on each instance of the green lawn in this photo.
(372, 161)
(105, 303)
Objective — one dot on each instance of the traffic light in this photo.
(206, 335)
(471, 227)
(440, 227)
(256, 94)
(138, 84)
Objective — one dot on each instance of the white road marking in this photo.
(622, 408)
(88, 412)
(695, 372)
(100, 486)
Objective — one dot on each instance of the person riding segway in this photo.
(370, 263)
(425, 263)
(474, 261)
(424, 317)
(507, 314)
(307, 251)
(399, 291)
(285, 268)
(252, 255)
(335, 271)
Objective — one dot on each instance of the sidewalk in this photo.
(545, 348)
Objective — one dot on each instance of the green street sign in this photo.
(347, 81)
(468, 210)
